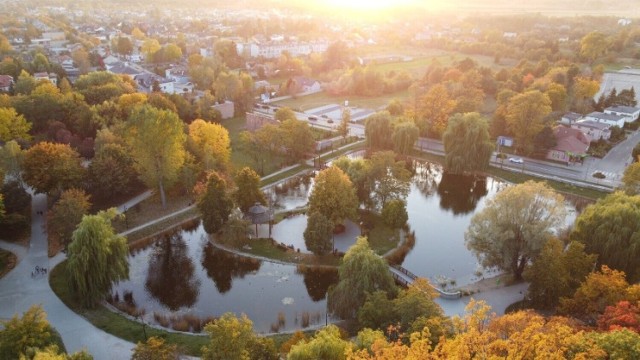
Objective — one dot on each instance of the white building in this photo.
(611, 119)
(595, 130)
(629, 113)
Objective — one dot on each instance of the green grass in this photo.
(304, 103)
(116, 324)
(240, 158)
(379, 234)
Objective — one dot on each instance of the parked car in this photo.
(330, 121)
(313, 118)
(324, 116)
(516, 160)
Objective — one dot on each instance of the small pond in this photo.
(183, 274)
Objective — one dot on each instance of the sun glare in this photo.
(367, 4)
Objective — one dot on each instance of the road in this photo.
(612, 165)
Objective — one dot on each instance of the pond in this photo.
(182, 275)
(440, 207)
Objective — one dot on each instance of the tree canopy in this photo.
(66, 214)
(514, 226)
(525, 116)
(215, 204)
(467, 144)
(318, 233)
(97, 258)
(247, 191)
(51, 168)
(333, 196)
(232, 338)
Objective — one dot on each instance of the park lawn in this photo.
(381, 237)
(304, 103)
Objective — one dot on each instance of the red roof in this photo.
(571, 140)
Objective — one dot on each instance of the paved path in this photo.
(19, 291)
(134, 201)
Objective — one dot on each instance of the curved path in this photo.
(19, 291)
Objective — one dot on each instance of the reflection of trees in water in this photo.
(222, 266)
(426, 177)
(297, 187)
(317, 280)
(578, 202)
(170, 275)
(460, 193)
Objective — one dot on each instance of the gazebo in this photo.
(260, 214)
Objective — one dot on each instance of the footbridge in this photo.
(405, 278)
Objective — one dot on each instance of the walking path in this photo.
(19, 291)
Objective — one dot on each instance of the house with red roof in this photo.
(572, 145)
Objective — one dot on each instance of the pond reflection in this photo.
(170, 277)
(222, 267)
(460, 193)
(318, 280)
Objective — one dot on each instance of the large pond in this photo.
(440, 207)
(182, 274)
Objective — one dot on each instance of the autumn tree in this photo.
(584, 90)
(593, 45)
(318, 233)
(514, 226)
(112, 171)
(610, 228)
(333, 196)
(298, 139)
(284, 113)
(631, 179)
(149, 48)
(13, 126)
(232, 338)
(388, 179)
(215, 204)
(361, 272)
(22, 334)
(247, 191)
(326, 344)
(97, 258)
(621, 315)
(155, 348)
(51, 168)
(405, 135)
(66, 214)
(525, 116)
(210, 144)
(467, 144)
(434, 110)
(157, 144)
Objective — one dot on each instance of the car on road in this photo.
(313, 118)
(516, 160)
(330, 121)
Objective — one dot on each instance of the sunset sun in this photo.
(367, 4)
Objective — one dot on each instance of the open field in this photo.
(322, 98)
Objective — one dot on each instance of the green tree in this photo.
(248, 191)
(51, 168)
(284, 113)
(525, 117)
(318, 234)
(172, 53)
(631, 179)
(326, 344)
(394, 213)
(514, 226)
(417, 301)
(593, 45)
(467, 144)
(157, 144)
(97, 258)
(155, 348)
(25, 83)
(361, 272)
(343, 127)
(405, 135)
(298, 139)
(378, 311)
(611, 229)
(395, 107)
(333, 196)
(388, 178)
(66, 214)
(149, 48)
(232, 338)
(617, 344)
(13, 126)
(358, 171)
(377, 128)
(100, 86)
(215, 204)
(11, 158)
(210, 144)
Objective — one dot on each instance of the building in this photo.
(256, 120)
(226, 109)
(629, 113)
(570, 118)
(5, 82)
(572, 145)
(302, 84)
(50, 77)
(595, 130)
(611, 119)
